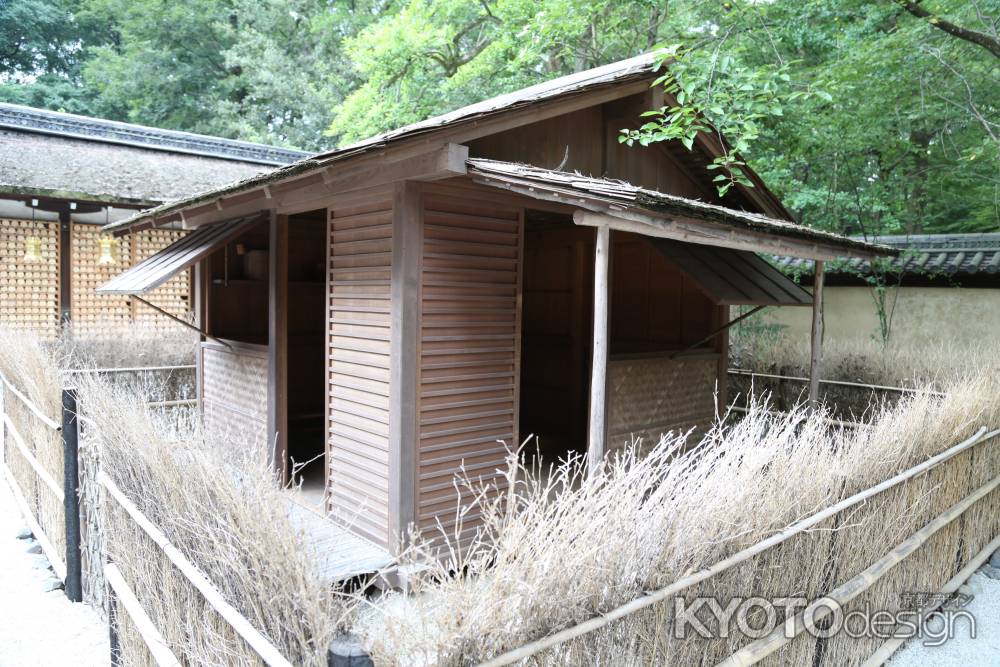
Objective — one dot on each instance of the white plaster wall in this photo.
(966, 316)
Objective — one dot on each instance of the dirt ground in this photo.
(38, 627)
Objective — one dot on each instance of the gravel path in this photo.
(962, 650)
(38, 627)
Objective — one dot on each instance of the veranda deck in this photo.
(340, 554)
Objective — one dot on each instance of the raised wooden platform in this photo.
(340, 553)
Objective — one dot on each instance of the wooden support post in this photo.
(816, 352)
(71, 500)
(407, 237)
(597, 434)
(277, 344)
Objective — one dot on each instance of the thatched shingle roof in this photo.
(633, 69)
(64, 155)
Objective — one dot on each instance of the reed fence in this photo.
(845, 399)
(40, 459)
(267, 652)
(40, 463)
(963, 545)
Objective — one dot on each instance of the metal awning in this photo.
(732, 277)
(164, 265)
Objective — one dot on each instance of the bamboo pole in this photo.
(155, 643)
(851, 589)
(885, 651)
(55, 559)
(816, 342)
(134, 369)
(254, 639)
(839, 383)
(45, 419)
(649, 599)
(597, 434)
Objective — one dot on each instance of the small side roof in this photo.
(733, 277)
(168, 262)
(668, 216)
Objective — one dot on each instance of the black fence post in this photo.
(346, 651)
(71, 498)
(113, 643)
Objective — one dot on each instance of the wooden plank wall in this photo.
(29, 291)
(358, 337)
(468, 348)
(234, 392)
(655, 306)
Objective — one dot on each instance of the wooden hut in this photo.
(64, 176)
(408, 306)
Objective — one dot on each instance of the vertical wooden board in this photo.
(359, 316)
(572, 141)
(29, 289)
(469, 341)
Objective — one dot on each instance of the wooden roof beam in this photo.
(698, 231)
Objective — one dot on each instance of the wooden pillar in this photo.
(816, 351)
(597, 433)
(277, 344)
(407, 235)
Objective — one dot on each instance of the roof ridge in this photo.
(59, 123)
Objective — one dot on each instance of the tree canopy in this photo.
(865, 117)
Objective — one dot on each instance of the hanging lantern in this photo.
(32, 249)
(107, 255)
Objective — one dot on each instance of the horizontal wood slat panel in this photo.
(358, 334)
(469, 341)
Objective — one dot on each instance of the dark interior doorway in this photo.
(556, 324)
(306, 332)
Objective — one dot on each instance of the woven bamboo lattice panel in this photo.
(649, 396)
(172, 296)
(29, 289)
(92, 313)
(235, 394)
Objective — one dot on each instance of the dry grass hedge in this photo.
(560, 547)
(222, 508)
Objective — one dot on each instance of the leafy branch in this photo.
(721, 96)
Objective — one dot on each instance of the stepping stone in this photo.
(33, 548)
(24, 534)
(51, 584)
(40, 563)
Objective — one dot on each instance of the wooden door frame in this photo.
(277, 343)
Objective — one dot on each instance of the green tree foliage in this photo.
(865, 117)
